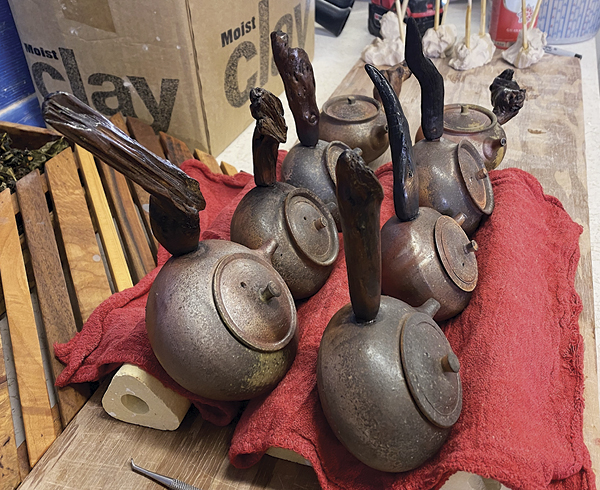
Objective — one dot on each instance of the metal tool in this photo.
(171, 483)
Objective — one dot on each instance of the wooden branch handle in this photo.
(270, 131)
(359, 195)
(432, 83)
(298, 78)
(406, 181)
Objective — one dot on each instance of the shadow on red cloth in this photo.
(518, 342)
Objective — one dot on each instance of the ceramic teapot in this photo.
(220, 319)
(453, 178)
(424, 254)
(306, 234)
(387, 378)
(311, 163)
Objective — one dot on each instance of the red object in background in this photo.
(423, 11)
(505, 21)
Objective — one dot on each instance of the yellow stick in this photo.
(404, 7)
(400, 19)
(535, 13)
(436, 19)
(482, 20)
(445, 12)
(468, 25)
(524, 23)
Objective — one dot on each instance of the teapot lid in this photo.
(311, 227)
(468, 118)
(431, 370)
(475, 176)
(456, 252)
(352, 108)
(254, 302)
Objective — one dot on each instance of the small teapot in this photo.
(356, 120)
(306, 234)
(452, 176)
(220, 319)
(387, 378)
(424, 253)
(311, 163)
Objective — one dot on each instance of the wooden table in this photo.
(546, 139)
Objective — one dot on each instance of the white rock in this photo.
(390, 28)
(439, 44)
(384, 52)
(523, 58)
(480, 53)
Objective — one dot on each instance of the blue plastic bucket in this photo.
(569, 21)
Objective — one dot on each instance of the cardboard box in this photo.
(184, 66)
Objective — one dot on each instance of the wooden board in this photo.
(176, 150)
(546, 139)
(82, 252)
(53, 297)
(38, 419)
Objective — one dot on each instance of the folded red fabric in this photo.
(116, 334)
(521, 357)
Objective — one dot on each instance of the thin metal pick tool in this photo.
(171, 483)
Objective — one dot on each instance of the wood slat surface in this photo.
(208, 160)
(546, 139)
(38, 419)
(175, 150)
(113, 250)
(53, 297)
(9, 462)
(124, 211)
(83, 255)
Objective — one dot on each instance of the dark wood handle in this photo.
(270, 131)
(406, 181)
(359, 196)
(431, 81)
(176, 198)
(299, 80)
(507, 97)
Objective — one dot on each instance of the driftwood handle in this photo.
(299, 80)
(176, 198)
(359, 195)
(431, 81)
(507, 97)
(406, 181)
(270, 131)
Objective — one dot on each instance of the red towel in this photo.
(116, 334)
(521, 360)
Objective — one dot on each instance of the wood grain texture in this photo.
(124, 210)
(228, 169)
(82, 252)
(53, 297)
(208, 160)
(9, 463)
(113, 250)
(29, 137)
(176, 150)
(35, 405)
(196, 453)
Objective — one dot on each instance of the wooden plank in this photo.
(29, 137)
(176, 150)
(144, 134)
(53, 297)
(123, 208)
(82, 252)
(208, 160)
(10, 476)
(228, 169)
(35, 404)
(113, 250)
(196, 453)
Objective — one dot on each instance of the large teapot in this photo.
(424, 253)
(453, 178)
(306, 234)
(387, 378)
(220, 319)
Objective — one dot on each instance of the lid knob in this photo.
(464, 109)
(271, 290)
(471, 247)
(320, 223)
(482, 173)
(450, 363)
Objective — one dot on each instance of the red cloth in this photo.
(116, 334)
(521, 360)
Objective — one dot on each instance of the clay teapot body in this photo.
(424, 254)
(387, 378)
(305, 232)
(220, 319)
(452, 176)
(356, 120)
